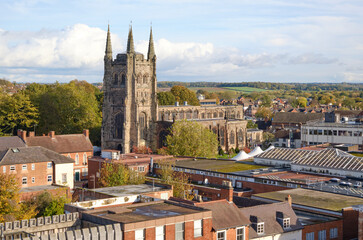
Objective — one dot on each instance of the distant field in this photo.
(246, 89)
(208, 89)
(217, 165)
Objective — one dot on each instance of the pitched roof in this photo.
(225, 215)
(35, 154)
(296, 117)
(11, 142)
(62, 143)
(271, 215)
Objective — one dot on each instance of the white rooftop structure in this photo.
(255, 151)
(242, 155)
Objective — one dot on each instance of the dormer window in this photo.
(286, 222)
(260, 228)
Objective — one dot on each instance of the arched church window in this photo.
(118, 126)
(240, 136)
(123, 79)
(232, 138)
(221, 136)
(145, 79)
(115, 80)
(142, 125)
(215, 115)
(221, 114)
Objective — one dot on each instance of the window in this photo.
(49, 165)
(286, 222)
(221, 235)
(159, 233)
(77, 159)
(24, 181)
(198, 228)
(141, 169)
(84, 159)
(140, 234)
(33, 166)
(333, 232)
(12, 168)
(85, 172)
(240, 234)
(64, 178)
(4, 169)
(322, 235)
(310, 236)
(24, 167)
(260, 228)
(33, 179)
(179, 231)
(49, 178)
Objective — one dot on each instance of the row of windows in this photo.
(76, 159)
(335, 133)
(179, 231)
(194, 115)
(24, 180)
(240, 234)
(322, 234)
(25, 167)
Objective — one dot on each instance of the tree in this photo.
(299, 102)
(266, 101)
(268, 138)
(116, 174)
(11, 208)
(251, 124)
(179, 180)
(47, 204)
(264, 112)
(189, 138)
(183, 94)
(166, 98)
(17, 112)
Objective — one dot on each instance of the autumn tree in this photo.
(299, 102)
(189, 138)
(11, 208)
(47, 204)
(251, 124)
(183, 94)
(264, 112)
(268, 138)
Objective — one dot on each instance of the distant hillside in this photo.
(6, 83)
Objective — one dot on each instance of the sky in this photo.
(195, 40)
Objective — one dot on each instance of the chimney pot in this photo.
(86, 133)
(289, 199)
(51, 134)
(23, 135)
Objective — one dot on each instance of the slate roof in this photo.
(35, 154)
(69, 143)
(296, 117)
(225, 215)
(10, 142)
(268, 214)
(284, 154)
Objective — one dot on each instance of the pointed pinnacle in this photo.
(130, 42)
(108, 51)
(151, 51)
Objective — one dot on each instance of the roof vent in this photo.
(15, 150)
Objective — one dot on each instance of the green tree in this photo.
(251, 124)
(116, 174)
(189, 138)
(166, 98)
(183, 94)
(266, 101)
(299, 102)
(268, 138)
(17, 112)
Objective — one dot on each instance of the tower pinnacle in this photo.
(130, 42)
(108, 52)
(151, 51)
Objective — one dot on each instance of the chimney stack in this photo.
(86, 133)
(51, 134)
(22, 135)
(289, 199)
(228, 189)
(31, 134)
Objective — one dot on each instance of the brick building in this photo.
(75, 146)
(37, 166)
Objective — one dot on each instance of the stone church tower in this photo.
(130, 97)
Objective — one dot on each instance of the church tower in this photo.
(130, 97)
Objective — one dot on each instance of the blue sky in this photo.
(195, 40)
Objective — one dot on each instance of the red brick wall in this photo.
(231, 234)
(169, 232)
(214, 193)
(129, 235)
(324, 226)
(80, 166)
(150, 233)
(360, 224)
(350, 223)
(40, 173)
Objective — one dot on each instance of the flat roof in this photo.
(313, 198)
(308, 218)
(127, 190)
(39, 188)
(144, 212)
